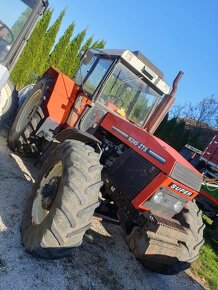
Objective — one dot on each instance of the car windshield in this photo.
(13, 16)
(128, 95)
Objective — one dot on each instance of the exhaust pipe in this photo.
(163, 108)
(175, 83)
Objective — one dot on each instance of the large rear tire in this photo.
(188, 249)
(63, 201)
(29, 117)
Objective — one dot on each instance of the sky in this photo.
(174, 34)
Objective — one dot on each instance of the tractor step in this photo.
(107, 212)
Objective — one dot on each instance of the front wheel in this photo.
(164, 254)
(63, 201)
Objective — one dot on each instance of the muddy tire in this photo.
(188, 250)
(8, 104)
(29, 117)
(54, 232)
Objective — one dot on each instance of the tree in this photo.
(76, 59)
(205, 112)
(57, 55)
(173, 132)
(38, 54)
(87, 44)
(178, 110)
(47, 44)
(99, 44)
(69, 64)
(30, 56)
(18, 25)
(190, 123)
(65, 55)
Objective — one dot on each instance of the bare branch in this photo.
(203, 113)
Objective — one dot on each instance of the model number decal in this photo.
(180, 189)
(139, 145)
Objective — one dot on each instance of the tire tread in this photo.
(74, 205)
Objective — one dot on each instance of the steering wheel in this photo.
(117, 99)
(9, 37)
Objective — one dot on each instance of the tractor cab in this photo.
(122, 82)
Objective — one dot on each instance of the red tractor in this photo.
(93, 138)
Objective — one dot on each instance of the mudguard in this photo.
(69, 133)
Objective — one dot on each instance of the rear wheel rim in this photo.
(28, 111)
(39, 213)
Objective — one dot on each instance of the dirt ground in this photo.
(102, 262)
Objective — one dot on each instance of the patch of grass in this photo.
(213, 191)
(207, 264)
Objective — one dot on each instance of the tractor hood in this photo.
(163, 156)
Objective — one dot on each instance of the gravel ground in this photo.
(102, 262)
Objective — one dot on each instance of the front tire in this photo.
(54, 231)
(187, 250)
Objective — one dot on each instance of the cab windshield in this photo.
(128, 95)
(120, 90)
(13, 16)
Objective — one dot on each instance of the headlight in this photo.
(158, 197)
(178, 206)
(165, 202)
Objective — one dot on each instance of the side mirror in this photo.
(87, 57)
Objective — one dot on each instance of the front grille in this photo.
(186, 176)
(130, 173)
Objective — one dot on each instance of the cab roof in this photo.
(137, 61)
(138, 54)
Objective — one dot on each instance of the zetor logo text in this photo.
(180, 189)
